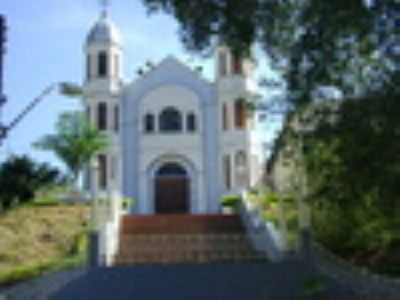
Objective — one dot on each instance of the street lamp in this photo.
(70, 89)
(64, 88)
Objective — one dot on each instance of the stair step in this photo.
(189, 257)
(177, 239)
(181, 224)
(125, 250)
(183, 239)
(174, 241)
(192, 253)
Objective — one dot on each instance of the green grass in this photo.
(41, 237)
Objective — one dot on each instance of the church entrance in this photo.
(171, 190)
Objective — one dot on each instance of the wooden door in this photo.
(171, 196)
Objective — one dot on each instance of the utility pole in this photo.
(3, 98)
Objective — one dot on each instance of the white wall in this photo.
(171, 84)
(156, 145)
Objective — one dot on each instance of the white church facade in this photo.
(178, 142)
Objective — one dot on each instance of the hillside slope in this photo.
(35, 239)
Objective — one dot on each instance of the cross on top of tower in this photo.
(104, 4)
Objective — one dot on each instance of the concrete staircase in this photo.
(190, 239)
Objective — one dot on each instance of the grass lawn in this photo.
(38, 238)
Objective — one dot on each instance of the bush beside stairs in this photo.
(184, 239)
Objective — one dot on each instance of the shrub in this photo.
(359, 231)
(127, 203)
(373, 231)
(49, 195)
(289, 199)
(313, 287)
(271, 198)
(253, 191)
(80, 245)
(231, 200)
(21, 177)
(332, 226)
(270, 216)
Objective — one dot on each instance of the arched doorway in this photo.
(171, 189)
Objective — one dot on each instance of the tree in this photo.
(356, 156)
(21, 177)
(75, 142)
(312, 43)
(352, 169)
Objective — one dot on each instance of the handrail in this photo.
(263, 235)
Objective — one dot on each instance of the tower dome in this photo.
(103, 50)
(104, 32)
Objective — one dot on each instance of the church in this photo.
(178, 142)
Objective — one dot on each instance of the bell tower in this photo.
(228, 64)
(103, 50)
(102, 86)
(235, 89)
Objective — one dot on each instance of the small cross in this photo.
(105, 4)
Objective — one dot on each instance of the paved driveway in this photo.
(199, 282)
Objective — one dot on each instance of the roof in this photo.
(171, 65)
(104, 32)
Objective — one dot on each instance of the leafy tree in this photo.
(21, 177)
(75, 142)
(312, 43)
(352, 167)
(357, 155)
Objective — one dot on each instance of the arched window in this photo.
(240, 114)
(116, 118)
(116, 66)
(170, 120)
(227, 172)
(191, 122)
(237, 64)
(102, 116)
(225, 119)
(223, 65)
(102, 64)
(88, 66)
(113, 167)
(148, 123)
(241, 169)
(88, 114)
(240, 160)
(102, 171)
(172, 169)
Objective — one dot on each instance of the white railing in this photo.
(264, 235)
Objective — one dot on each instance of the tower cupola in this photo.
(103, 49)
(104, 32)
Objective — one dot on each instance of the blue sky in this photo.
(45, 45)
